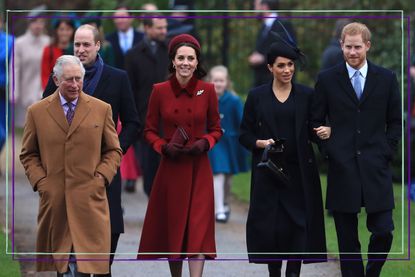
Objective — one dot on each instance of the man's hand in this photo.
(323, 132)
(262, 143)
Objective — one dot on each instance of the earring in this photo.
(174, 66)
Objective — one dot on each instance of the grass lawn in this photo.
(8, 267)
(241, 188)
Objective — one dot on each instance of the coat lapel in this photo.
(81, 111)
(55, 110)
(346, 85)
(268, 105)
(371, 81)
(300, 102)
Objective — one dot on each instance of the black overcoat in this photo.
(364, 136)
(262, 217)
(114, 88)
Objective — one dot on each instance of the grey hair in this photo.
(65, 60)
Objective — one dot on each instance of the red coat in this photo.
(50, 55)
(180, 212)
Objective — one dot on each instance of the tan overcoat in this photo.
(60, 162)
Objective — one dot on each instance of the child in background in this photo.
(228, 157)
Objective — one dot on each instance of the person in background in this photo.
(70, 153)
(112, 86)
(151, 52)
(271, 25)
(180, 220)
(333, 54)
(63, 30)
(6, 47)
(25, 84)
(362, 103)
(149, 7)
(180, 20)
(285, 217)
(125, 37)
(228, 157)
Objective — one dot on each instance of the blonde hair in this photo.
(356, 28)
(224, 70)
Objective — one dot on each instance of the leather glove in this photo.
(172, 150)
(199, 146)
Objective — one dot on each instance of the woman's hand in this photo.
(323, 132)
(262, 143)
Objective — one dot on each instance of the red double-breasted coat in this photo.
(179, 221)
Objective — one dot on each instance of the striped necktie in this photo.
(70, 113)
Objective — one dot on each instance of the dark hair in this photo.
(200, 72)
(271, 4)
(56, 25)
(148, 21)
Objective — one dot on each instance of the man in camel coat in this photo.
(71, 152)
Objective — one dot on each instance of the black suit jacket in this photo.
(263, 42)
(114, 88)
(144, 70)
(118, 53)
(364, 135)
(265, 191)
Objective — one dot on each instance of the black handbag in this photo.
(277, 164)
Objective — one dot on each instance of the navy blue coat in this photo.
(114, 88)
(364, 135)
(119, 55)
(263, 217)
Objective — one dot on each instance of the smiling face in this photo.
(85, 47)
(185, 62)
(355, 50)
(64, 33)
(282, 69)
(71, 81)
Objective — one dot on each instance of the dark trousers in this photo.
(149, 163)
(380, 224)
(293, 268)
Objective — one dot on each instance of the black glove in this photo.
(198, 147)
(172, 150)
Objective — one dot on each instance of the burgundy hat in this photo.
(183, 38)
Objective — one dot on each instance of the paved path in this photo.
(230, 237)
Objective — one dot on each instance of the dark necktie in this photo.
(70, 113)
(356, 84)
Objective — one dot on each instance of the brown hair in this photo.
(356, 28)
(200, 72)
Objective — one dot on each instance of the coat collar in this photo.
(344, 80)
(178, 89)
(56, 112)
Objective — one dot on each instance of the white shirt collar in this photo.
(129, 33)
(363, 70)
(270, 20)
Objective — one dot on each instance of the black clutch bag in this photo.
(276, 165)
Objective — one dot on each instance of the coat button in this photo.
(189, 125)
(310, 160)
(358, 131)
(358, 152)
(260, 123)
(189, 110)
(176, 111)
(308, 141)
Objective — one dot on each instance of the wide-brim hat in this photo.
(183, 38)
